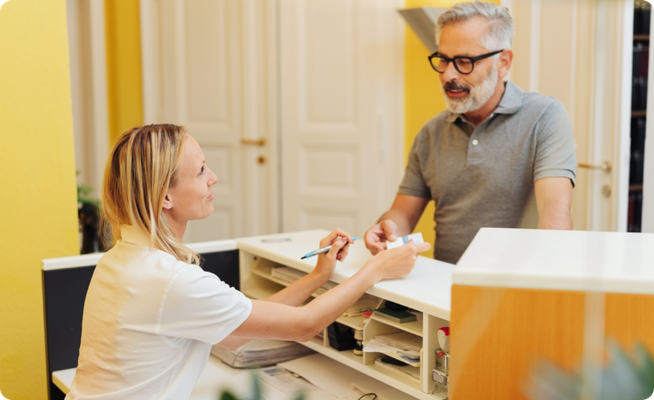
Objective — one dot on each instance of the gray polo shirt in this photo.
(484, 176)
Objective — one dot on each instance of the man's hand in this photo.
(377, 236)
(399, 221)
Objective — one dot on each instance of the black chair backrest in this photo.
(64, 292)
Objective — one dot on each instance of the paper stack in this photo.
(366, 303)
(402, 340)
(291, 275)
(402, 346)
(261, 353)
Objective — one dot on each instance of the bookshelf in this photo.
(427, 289)
(642, 17)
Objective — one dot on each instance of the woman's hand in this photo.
(398, 261)
(338, 239)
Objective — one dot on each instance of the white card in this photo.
(417, 238)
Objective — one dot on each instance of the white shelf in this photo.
(414, 327)
(352, 322)
(426, 289)
(407, 385)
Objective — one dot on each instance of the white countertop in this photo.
(559, 260)
(427, 288)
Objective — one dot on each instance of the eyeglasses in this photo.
(464, 65)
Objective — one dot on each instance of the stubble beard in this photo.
(477, 95)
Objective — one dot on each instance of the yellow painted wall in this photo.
(423, 99)
(124, 79)
(38, 203)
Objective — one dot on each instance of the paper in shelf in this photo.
(287, 274)
(261, 353)
(292, 275)
(366, 303)
(402, 340)
(407, 356)
(404, 370)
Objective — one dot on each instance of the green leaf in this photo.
(227, 396)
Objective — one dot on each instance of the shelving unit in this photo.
(427, 289)
(642, 15)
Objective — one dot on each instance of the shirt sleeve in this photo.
(200, 306)
(413, 183)
(555, 151)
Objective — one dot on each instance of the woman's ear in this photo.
(168, 202)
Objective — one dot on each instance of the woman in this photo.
(151, 313)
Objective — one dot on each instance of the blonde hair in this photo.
(143, 164)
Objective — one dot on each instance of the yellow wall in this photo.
(423, 99)
(38, 203)
(123, 66)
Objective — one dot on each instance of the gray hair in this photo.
(499, 33)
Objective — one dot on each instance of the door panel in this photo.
(335, 151)
(321, 81)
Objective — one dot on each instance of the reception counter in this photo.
(520, 297)
(515, 299)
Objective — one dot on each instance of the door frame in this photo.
(598, 103)
(261, 185)
(87, 46)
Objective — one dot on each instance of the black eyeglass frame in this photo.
(472, 60)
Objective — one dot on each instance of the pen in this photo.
(320, 251)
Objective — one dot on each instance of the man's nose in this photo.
(450, 72)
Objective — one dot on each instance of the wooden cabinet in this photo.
(426, 289)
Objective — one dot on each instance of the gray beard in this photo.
(477, 97)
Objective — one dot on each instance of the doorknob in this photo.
(606, 166)
(254, 142)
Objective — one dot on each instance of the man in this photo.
(494, 155)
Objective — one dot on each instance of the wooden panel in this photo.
(628, 319)
(207, 66)
(498, 333)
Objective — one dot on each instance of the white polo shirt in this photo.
(149, 323)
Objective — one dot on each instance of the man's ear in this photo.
(168, 202)
(504, 63)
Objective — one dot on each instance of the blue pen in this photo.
(320, 251)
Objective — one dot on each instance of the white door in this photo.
(321, 81)
(579, 51)
(341, 112)
(206, 65)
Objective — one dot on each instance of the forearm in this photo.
(298, 292)
(233, 343)
(554, 201)
(277, 321)
(404, 224)
(555, 216)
